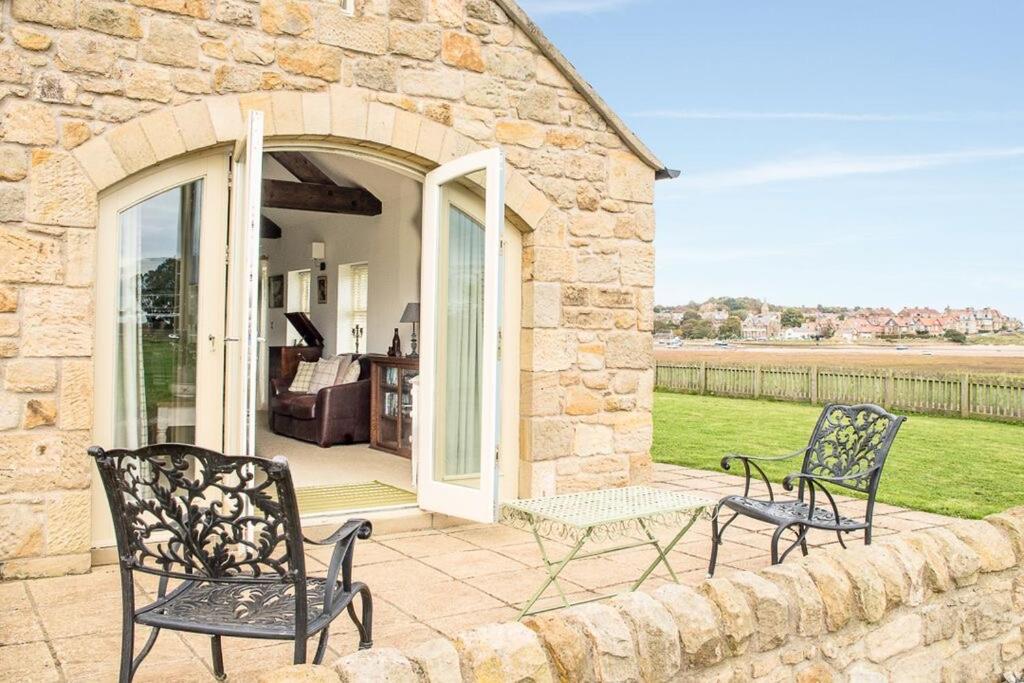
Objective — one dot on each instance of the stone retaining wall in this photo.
(944, 604)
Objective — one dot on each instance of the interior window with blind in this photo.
(353, 285)
(297, 299)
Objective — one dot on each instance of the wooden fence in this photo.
(989, 397)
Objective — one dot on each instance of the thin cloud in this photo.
(816, 168)
(548, 7)
(839, 117)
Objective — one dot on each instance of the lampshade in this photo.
(317, 249)
(411, 313)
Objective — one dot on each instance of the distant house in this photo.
(762, 326)
(853, 329)
(715, 316)
(801, 333)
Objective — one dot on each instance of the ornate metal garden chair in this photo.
(848, 448)
(226, 531)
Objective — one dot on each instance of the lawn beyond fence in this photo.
(976, 396)
(967, 468)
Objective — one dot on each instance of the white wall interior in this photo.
(389, 243)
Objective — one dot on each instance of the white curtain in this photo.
(130, 419)
(353, 293)
(463, 348)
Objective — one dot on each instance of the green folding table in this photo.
(597, 516)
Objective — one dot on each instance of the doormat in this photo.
(373, 494)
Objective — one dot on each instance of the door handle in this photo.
(230, 339)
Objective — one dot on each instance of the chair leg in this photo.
(364, 625)
(127, 649)
(716, 539)
(321, 646)
(775, 543)
(218, 658)
(803, 541)
(300, 651)
(867, 535)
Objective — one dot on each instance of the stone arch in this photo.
(342, 115)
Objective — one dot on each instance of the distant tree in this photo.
(696, 329)
(659, 309)
(664, 326)
(731, 328)
(792, 317)
(955, 336)
(691, 315)
(826, 330)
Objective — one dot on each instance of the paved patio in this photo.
(425, 583)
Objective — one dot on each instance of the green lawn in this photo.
(967, 468)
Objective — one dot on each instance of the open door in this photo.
(242, 325)
(458, 427)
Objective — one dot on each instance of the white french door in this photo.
(159, 361)
(458, 427)
(242, 344)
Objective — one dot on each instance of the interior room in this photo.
(340, 276)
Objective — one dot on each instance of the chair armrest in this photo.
(750, 462)
(280, 384)
(363, 528)
(343, 541)
(340, 394)
(760, 458)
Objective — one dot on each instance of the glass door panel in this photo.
(157, 325)
(459, 352)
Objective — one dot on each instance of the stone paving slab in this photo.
(425, 584)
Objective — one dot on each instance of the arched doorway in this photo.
(171, 309)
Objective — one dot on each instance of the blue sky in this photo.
(864, 153)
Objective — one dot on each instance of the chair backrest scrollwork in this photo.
(851, 440)
(192, 513)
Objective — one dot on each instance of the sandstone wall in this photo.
(945, 604)
(93, 91)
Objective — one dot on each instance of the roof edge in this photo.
(548, 49)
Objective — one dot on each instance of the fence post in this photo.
(887, 392)
(703, 377)
(813, 384)
(757, 381)
(965, 395)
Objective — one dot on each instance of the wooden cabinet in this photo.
(391, 404)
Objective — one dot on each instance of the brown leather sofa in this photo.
(334, 415)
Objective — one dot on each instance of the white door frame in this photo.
(476, 503)
(242, 343)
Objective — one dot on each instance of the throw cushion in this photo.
(345, 360)
(303, 376)
(324, 374)
(352, 374)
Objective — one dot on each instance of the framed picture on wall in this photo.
(321, 289)
(275, 283)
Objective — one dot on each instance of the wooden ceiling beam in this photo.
(281, 194)
(269, 229)
(300, 166)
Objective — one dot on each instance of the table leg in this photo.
(552, 574)
(663, 553)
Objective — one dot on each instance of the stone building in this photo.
(110, 107)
